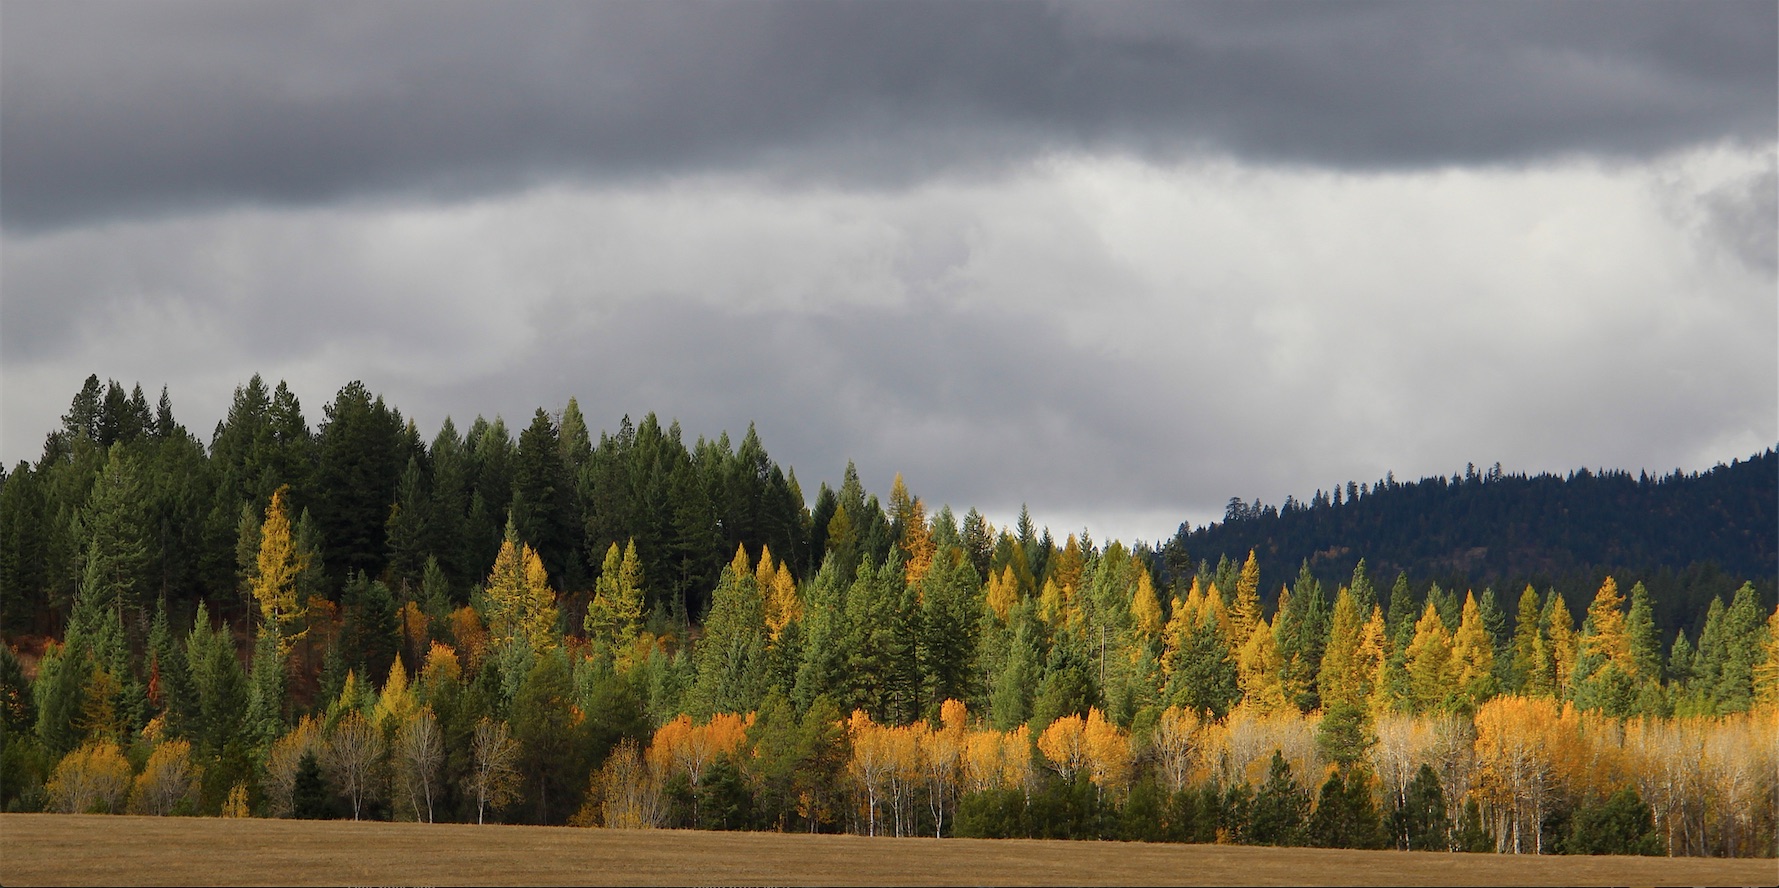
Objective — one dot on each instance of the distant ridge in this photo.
(1696, 534)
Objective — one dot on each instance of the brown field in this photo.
(49, 849)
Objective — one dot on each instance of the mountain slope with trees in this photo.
(1687, 536)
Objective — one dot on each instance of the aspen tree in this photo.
(1064, 745)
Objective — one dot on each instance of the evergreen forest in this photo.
(628, 629)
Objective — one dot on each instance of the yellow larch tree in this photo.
(1259, 670)
(1245, 612)
(1373, 663)
(520, 602)
(1559, 627)
(1145, 609)
(916, 542)
(1473, 654)
(441, 669)
(1606, 638)
(1341, 677)
(1053, 604)
(396, 702)
(614, 616)
(279, 564)
(783, 605)
(1766, 669)
(1429, 663)
(1003, 593)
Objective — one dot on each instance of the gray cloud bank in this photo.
(132, 108)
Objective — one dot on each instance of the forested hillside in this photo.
(1689, 537)
(352, 621)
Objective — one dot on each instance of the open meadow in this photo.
(46, 849)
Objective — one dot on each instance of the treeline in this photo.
(370, 496)
(1688, 536)
(819, 676)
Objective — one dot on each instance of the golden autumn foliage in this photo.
(1260, 669)
(1108, 752)
(1473, 654)
(521, 605)
(628, 790)
(1342, 677)
(282, 760)
(1560, 629)
(1766, 668)
(168, 777)
(278, 565)
(1430, 673)
(1245, 613)
(1606, 638)
(1145, 609)
(682, 747)
(778, 592)
(614, 616)
(1003, 593)
(1064, 745)
(909, 514)
(94, 778)
(471, 635)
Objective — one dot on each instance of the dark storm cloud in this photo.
(148, 107)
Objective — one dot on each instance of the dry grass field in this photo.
(46, 849)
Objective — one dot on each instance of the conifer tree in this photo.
(1429, 663)
(1261, 671)
(1473, 654)
(265, 692)
(1559, 631)
(1245, 613)
(1303, 632)
(614, 616)
(1530, 673)
(1340, 677)
(731, 659)
(279, 564)
(112, 525)
(521, 604)
(1605, 671)
(1364, 593)
(1766, 669)
(1372, 665)
(1646, 649)
(1281, 807)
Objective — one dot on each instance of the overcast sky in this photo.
(1119, 262)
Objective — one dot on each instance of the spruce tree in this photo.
(1281, 808)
